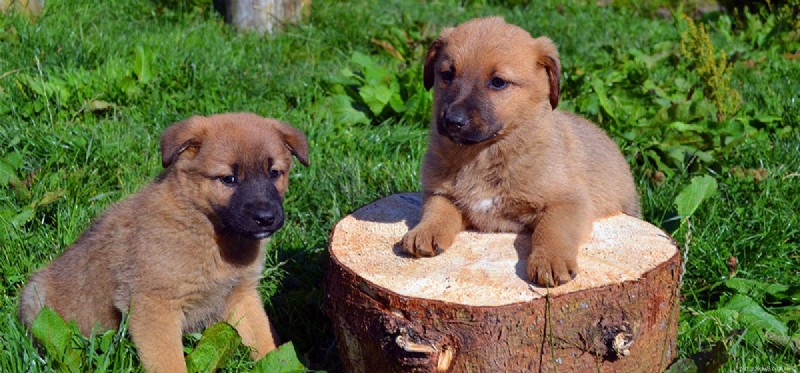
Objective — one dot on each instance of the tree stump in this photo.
(32, 8)
(471, 308)
(263, 15)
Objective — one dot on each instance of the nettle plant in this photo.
(381, 86)
(673, 103)
(207, 352)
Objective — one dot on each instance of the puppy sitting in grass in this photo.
(500, 157)
(187, 250)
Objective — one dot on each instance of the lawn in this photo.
(87, 87)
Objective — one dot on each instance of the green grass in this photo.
(86, 89)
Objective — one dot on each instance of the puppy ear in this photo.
(179, 137)
(548, 58)
(435, 48)
(295, 140)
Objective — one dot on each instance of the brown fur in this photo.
(500, 157)
(166, 255)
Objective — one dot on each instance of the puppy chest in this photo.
(489, 213)
(206, 301)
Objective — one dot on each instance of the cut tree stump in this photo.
(32, 8)
(263, 16)
(471, 308)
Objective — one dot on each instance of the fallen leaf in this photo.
(99, 105)
(732, 264)
(389, 48)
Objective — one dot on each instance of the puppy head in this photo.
(234, 168)
(486, 76)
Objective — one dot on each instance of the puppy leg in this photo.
(246, 313)
(441, 221)
(156, 330)
(556, 238)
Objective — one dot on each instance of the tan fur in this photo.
(543, 171)
(160, 254)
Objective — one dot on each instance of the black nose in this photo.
(264, 218)
(456, 119)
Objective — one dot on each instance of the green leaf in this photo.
(374, 74)
(660, 165)
(342, 110)
(23, 216)
(7, 174)
(710, 321)
(362, 60)
(599, 88)
(677, 152)
(419, 104)
(396, 101)
(756, 289)
(128, 85)
(281, 360)
(215, 348)
(376, 97)
(13, 160)
(8, 169)
(99, 105)
(48, 198)
(752, 315)
(107, 340)
(690, 198)
(56, 335)
(766, 118)
(703, 156)
(141, 65)
(345, 77)
(687, 127)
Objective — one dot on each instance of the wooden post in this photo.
(264, 15)
(471, 308)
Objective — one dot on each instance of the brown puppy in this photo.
(501, 159)
(187, 250)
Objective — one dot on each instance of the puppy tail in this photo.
(32, 299)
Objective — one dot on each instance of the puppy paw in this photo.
(550, 270)
(426, 240)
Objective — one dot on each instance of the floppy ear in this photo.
(179, 137)
(548, 58)
(428, 73)
(295, 140)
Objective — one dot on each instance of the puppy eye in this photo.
(448, 76)
(229, 180)
(498, 83)
(274, 174)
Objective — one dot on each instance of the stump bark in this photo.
(32, 8)
(264, 16)
(471, 308)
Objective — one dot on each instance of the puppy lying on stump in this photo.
(472, 308)
(502, 158)
(415, 286)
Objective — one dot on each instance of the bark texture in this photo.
(264, 16)
(32, 8)
(470, 309)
